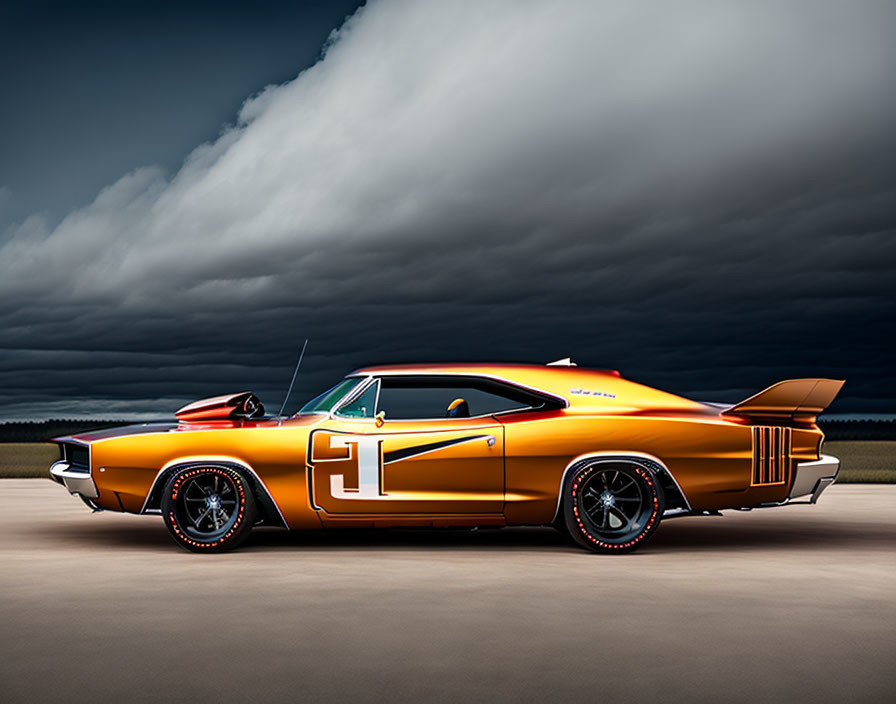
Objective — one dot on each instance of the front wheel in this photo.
(612, 506)
(208, 509)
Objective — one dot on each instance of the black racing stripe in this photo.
(406, 452)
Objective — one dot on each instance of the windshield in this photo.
(325, 402)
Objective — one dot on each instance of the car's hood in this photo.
(120, 431)
(144, 428)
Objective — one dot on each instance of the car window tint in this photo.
(405, 402)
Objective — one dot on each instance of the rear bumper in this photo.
(77, 482)
(812, 478)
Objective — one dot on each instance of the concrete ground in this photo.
(794, 603)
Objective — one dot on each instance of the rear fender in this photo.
(676, 501)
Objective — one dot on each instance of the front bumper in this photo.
(77, 482)
(812, 478)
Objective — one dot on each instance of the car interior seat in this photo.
(458, 408)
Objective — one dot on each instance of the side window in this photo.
(409, 398)
(363, 405)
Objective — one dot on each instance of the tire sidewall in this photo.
(578, 530)
(234, 535)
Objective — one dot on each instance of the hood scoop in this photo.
(242, 406)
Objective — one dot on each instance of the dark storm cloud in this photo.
(94, 88)
(699, 194)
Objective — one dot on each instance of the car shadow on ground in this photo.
(680, 535)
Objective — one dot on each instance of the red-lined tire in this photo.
(208, 508)
(612, 506)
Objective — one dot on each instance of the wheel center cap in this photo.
(607, 499)
(213, 501)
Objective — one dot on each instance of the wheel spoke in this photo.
(631, 482)
(197, 521)
(622, 517)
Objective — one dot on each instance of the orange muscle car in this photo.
(583, 450)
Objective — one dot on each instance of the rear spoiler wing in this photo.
(799, 400)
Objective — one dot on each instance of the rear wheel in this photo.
(208, 509)
(612, 506)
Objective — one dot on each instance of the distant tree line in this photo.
(44, 430)
(858, 429)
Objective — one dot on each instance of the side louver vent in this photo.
(771, 454)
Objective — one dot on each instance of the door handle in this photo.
(490, 440)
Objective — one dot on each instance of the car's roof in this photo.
(503, 369)
(602, 389)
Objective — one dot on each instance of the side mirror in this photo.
(380, 419)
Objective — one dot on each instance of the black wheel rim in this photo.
(207, 506)
(614, 503)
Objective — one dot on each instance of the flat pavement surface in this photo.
(793, 603)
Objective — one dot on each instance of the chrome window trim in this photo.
(360, 390)
(491, 377)
(212, 459)
(484, 418)
(386, 419)
(610, 456)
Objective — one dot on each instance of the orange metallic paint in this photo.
(515, 479)
(463, 478)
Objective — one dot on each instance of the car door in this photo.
(362, 465)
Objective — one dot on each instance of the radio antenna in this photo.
(294, 375)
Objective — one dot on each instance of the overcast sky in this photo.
(699, 194)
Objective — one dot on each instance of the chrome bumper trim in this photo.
(80, 483)
(812, 478)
